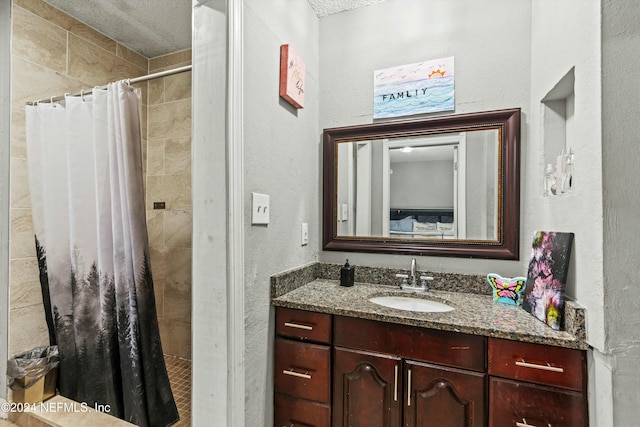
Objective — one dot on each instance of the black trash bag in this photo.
(27, 368)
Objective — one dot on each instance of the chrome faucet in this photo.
(412, 275)
(412, 284)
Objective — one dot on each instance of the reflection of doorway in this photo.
(429, 173)
(363, 189)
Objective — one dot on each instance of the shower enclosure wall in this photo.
(52, 54)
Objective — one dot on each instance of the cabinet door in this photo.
(436, 396)
(515, 403)
(366, 389)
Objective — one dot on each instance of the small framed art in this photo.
(547, 277)
(291, 77)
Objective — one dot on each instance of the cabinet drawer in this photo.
(540, 364)
(300, 413)
(303, 370)
(303, 325)
(516, 404)
(425, 345)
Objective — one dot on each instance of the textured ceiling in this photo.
(149, 27)
(328, 7)
(156, 27)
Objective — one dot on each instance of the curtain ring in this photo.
(128, 82)
(51, 100)
(82, 94)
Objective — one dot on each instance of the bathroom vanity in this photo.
(364, 355)
(341, 360)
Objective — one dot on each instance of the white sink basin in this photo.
(411, 304)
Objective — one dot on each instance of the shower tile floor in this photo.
(179, 371)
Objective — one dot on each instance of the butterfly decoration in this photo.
(507, 290)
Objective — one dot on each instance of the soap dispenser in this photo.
(347, 274)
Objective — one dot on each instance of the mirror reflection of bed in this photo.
(422, 223)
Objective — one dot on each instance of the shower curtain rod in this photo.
(129, 81)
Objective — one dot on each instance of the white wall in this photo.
(561, 24)
(621, 203)
(420, 185)
(560, 42)
(5, 120)
(281, 159)
(490, 41)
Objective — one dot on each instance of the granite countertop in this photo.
(473, 314)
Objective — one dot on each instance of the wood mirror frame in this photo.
(507, 244)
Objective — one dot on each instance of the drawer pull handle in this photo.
(298, 326)
(293, 373)
(395, 385)
(409, 387)
(524, 364)
(524, 424)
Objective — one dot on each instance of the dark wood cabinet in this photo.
(517, 403)
(303, 325)
(378, 382)
(367, 389)
(536, 385)
(346, 372)
(292, 412)
(426, 345)
(302, 369)
(443, 397)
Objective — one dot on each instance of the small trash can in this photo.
(33, 374)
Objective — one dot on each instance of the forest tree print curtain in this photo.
(85, 176)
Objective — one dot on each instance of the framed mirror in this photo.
(446, 186)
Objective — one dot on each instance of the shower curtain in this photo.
(85, 176)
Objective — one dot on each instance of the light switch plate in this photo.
(304, 236)
(259, 208)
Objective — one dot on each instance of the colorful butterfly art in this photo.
(507, 290)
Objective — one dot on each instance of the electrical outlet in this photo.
(259, 208)
(304, 237)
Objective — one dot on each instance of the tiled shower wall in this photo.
(169, 182)
(53, 54)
